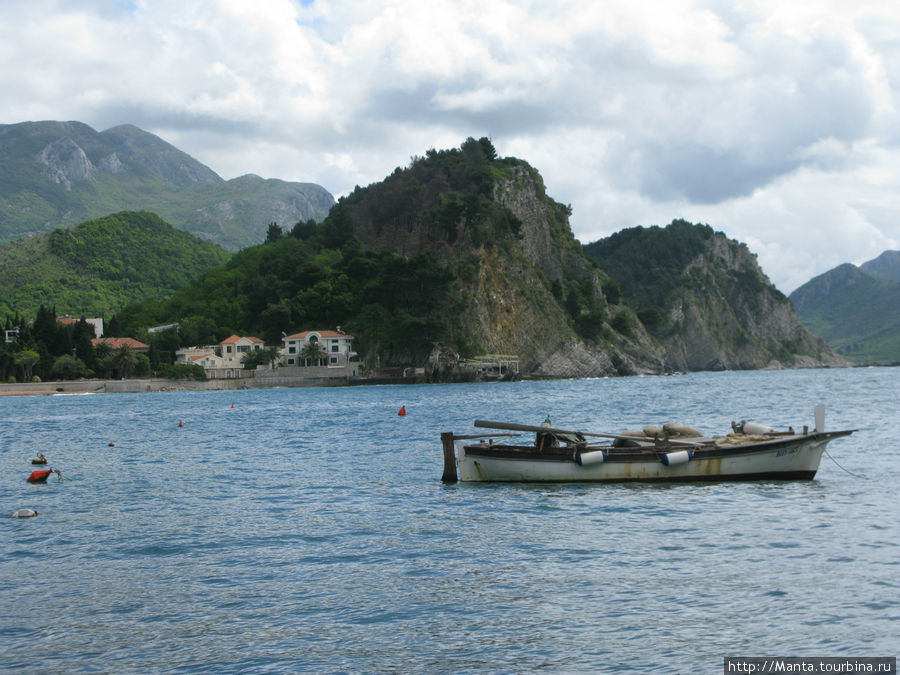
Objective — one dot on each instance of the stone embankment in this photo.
(159, 384)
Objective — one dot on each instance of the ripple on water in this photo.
(308, 530)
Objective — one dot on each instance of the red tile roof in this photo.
(119, 342)
(234, 338)
(322, 333)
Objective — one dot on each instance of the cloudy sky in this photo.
(773, 121)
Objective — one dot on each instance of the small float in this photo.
(41, 475)
(24, 513)
(669, 453)
(39, 459)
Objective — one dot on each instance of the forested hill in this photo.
(461, 254)
(58, 174)
(100, 266)
(706, 300)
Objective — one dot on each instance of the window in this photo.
(243, 348)
(334, 348)
(290, 362)
(292, 350)
(333, 359)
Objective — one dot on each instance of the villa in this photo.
(335, 348)
(224, 360)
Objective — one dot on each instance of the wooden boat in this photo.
(560, 455)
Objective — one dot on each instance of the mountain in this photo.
(58, 174)
(706, 300)
(102, 265)
(462, 254)
(885, 266)
(856, 309)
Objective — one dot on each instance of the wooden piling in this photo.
(449, 458)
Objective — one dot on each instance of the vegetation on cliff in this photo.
(431, 258)
(705, 299)
(463, 253)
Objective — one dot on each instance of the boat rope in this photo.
(855, 475)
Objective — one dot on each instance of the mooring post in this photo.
(449, 458)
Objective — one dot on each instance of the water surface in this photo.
(290, 530)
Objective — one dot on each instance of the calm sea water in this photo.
(295, 530)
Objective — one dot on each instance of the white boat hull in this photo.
(797, 459)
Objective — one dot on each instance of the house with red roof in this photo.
(224, 360)
(118, 342)
(335, 349)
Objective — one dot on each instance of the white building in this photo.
(336, 348)
(224, 360)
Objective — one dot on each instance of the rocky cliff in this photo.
(524, 285)
(708, 303)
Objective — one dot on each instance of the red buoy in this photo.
(181, 424)
(402, 411)
(111, 444)
(39, 476)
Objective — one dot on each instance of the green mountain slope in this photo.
(706, 300)
(856, 313)
(885, 266)
(459, 254)
(57, 174)
(463, 253)
(100, 266)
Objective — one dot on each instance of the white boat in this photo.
(560, 455)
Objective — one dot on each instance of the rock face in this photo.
(713, 308)
(730, 317)
(58, 174)
(519, 268)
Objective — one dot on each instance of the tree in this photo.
(68, 367)
(25, 360)
(125, 361)
(274, 233)
(313, 352)
(269, 356)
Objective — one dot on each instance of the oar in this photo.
(512, 426)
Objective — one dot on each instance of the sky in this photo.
(773, 121)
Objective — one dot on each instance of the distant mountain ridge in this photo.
(885, 266)
(856, 309)
(58, 174)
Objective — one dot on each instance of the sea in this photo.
(308, 530)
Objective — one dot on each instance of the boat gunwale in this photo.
(646, 452)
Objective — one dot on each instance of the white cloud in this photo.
(774, 122)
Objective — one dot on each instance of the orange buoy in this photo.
(39, 476)
(232, 405)
(402, 411)
(180, 423)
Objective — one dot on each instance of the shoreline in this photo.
(153, 385)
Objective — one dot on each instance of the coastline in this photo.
(152, 385)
